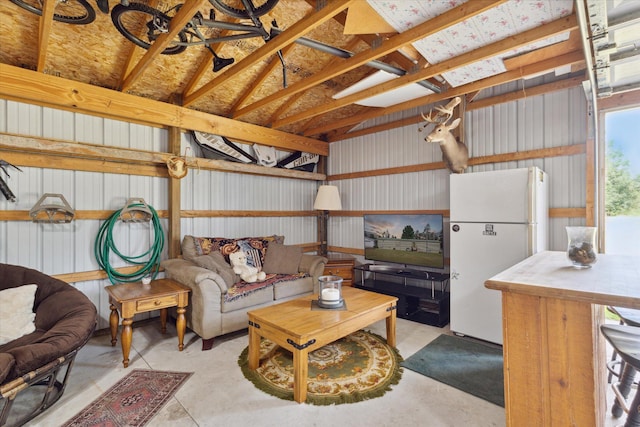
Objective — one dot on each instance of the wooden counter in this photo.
(554, 354)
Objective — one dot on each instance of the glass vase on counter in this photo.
(582, 247)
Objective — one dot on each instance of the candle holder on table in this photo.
(330, 292)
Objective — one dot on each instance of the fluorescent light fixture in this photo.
(393, 97)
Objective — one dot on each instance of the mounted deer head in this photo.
(454, 153)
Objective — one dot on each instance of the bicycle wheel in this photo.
(77, 12)
(142, 25)
(228, 7)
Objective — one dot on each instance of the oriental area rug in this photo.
(468, 365)
(132, 401)
(357, 367)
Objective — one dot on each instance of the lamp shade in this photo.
(328, 199)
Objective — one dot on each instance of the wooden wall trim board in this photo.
(37, 152)
(84, 276)
(22, 215)
(31, 87)
(13, 142)
(553, 213)
(226, 214)
(444, 212)
(566, 150)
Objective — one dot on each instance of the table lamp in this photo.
(327, 199)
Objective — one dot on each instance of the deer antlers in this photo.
(447, 111)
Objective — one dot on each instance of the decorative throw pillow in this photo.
(254, 247)
(282, 259)
(215, 262)
(16, 312)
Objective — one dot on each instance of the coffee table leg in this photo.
(113, 324)
(254, 348)
(391, 328)
(181, 326)
(126, 340)
(300, 373)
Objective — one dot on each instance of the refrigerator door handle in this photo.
(532, 241)
(532, 184)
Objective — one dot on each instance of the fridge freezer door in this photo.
(478, 252)
(499, 196)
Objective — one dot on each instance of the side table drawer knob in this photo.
(157, 302)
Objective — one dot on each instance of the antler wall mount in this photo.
(454, 153)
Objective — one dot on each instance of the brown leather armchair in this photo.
(65, 320)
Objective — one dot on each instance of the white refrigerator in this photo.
(497, 219)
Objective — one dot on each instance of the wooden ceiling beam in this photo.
(439, 23)
(260, 78)
(128, 62)
(576, 57)
(569, 45)
(527, 92)
(19, 84)
(515, 41)
(206, 64)
(284, 39)
(293, 99)
(178, 22)
(44, 30)
(340, 135)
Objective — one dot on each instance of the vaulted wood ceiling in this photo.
(251, 89)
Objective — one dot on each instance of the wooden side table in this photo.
(340, 265)
(133, 298)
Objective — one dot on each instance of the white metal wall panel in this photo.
(549, 120)
(536, 122)
(68, 248)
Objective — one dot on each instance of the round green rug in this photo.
(357, 367)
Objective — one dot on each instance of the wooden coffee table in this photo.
(295, 326)
(133, 298)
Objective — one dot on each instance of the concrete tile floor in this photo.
(219, 395)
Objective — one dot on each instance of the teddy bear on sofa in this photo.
(247, 273)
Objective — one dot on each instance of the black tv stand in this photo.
(423, 304)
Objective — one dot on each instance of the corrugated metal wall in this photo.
(550, 120)
(543, 121)
(69, 248)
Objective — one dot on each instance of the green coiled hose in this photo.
(104, 245)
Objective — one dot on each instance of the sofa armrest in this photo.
(204, 315)
(190, 274)
(312, 265)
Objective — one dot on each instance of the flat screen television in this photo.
(410, 239)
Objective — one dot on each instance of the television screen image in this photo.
(405, 239)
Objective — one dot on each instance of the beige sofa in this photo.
(219, 300)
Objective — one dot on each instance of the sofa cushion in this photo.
(258, 296)
(215, 262)
(282, 259)
(288, 288)
(242, 288)
(16, 312)
(254, 247)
